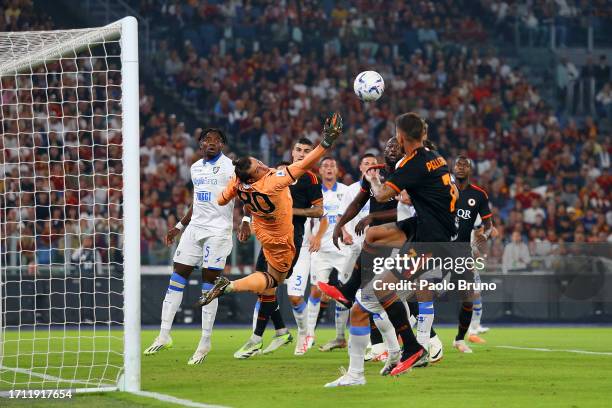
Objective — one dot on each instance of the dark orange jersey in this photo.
(269, 199)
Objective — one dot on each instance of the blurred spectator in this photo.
(516, 255)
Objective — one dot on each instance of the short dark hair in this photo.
(304, 141)
(242, 166)
(366, 156)
(411, 124)
(326, 158)
(218, 131)
(283, 163)
(464, 157)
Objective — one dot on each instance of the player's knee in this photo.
(315, 292)
(209, 275)
(359, 317)
(183, 270)
(295, 300)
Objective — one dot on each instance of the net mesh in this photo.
(61, 237)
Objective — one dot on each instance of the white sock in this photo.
(388, 332)
(256, 313)
(172, 302)
(209, 312)
(342, 315)
(411, 319)
(476, 316)
(359, 337)
(424, 323)
(312, 312)
(300, 317)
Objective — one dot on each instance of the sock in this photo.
(413, 312)
(277, 320)
(375, 335)
(358, 342)
(172, 302)
(322, 312)
(424, 323)
(312, 313)
(398, 317)
(387, 332)
(465, 317)
(209, 312)
(265, 310)
(342, 315)
(300, 317)
(350, 288)
(255, 338)
(476, 315)
(256, 312)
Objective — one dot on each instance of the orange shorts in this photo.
(280, 255)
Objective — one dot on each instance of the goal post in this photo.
(70, 209)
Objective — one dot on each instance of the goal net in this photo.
(69, 209)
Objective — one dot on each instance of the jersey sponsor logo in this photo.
(435, 163)
(332, 219)
(471, 202)
(204, 196)
(198, 181)
(464, 214)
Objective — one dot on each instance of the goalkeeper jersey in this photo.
(209, 178)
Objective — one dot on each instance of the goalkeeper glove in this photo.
(331, 130)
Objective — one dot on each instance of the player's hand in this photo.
(170, 235)
(404, 198)
(332, 129)
(347, 238)
(372, 174)
(480, 242)
(362, 224)
(315, 244)
(244, 231)
(336, 235)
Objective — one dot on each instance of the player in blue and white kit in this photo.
(206, 240)
(325, 256)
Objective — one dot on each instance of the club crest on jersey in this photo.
(246, 186)
(472, 202)
(340, 196)
(280, 173)
(216, 169)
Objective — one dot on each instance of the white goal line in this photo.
(547, 350)
(104, 388)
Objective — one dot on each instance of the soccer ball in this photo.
(369, 86)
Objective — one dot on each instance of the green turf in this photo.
(491, 377)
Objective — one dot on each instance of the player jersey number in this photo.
(446, 179)
(256, 202)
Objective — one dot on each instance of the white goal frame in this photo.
(127, 30)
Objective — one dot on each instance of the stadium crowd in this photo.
(268, 74)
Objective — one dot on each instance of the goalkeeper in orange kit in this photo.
(265, 192)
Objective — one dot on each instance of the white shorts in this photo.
(323, 263)
(296, 283)
(349, 265)
(198, 247)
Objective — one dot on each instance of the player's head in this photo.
(211, 142)
(367, 160)
(248, 169)
(463, 168)
(328, 169)
(393, 152)
(410, 129)
(301, 148)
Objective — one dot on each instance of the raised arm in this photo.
(229, 193)
(381, 192)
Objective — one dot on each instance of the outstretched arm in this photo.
(229, 193)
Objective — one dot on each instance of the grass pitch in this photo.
(491, 377)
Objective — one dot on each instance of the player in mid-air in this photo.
(206, 240)
(307, 203)
(425, 176)
(473, 202)
(265, 192)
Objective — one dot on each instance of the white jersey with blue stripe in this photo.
(332, 207)
(209, 178)
(347, 199)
